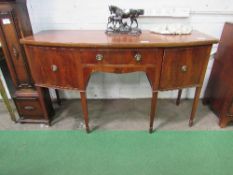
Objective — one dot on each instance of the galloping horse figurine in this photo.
(117, 20)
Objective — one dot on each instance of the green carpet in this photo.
(116, 152)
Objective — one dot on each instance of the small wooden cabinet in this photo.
(33, 103)
(12, 49)
(219, 92)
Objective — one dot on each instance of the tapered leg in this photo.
(195, 104)
(85, 110)
(178, 98)
(6, 101)
(223, 122)
(58, 97)
(153, 110)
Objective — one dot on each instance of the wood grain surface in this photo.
(98, 38)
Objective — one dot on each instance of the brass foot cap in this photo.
(190, 123)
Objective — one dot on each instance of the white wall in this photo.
(206, 16)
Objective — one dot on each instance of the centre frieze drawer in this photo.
(120, 56)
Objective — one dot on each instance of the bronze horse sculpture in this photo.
(116, 23)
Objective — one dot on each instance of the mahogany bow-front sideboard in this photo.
(65, 59)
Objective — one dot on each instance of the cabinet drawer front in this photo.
(183, 67)
(54, 67)
(120, 56)
(29, 108)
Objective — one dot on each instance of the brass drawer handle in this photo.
(184, 68)
(29, 108)
(99, 57)
(54, 68)
(138, 57)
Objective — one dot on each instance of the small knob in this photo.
(184, 68)
(99, 57)
(138, 57)
(54, 68)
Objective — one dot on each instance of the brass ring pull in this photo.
(184, 68)
(99, 57)
(54, 68)
(138, 57)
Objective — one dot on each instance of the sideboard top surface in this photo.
(98, 38)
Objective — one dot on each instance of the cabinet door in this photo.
(54, 67)
(183, 67)
(13, 51)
